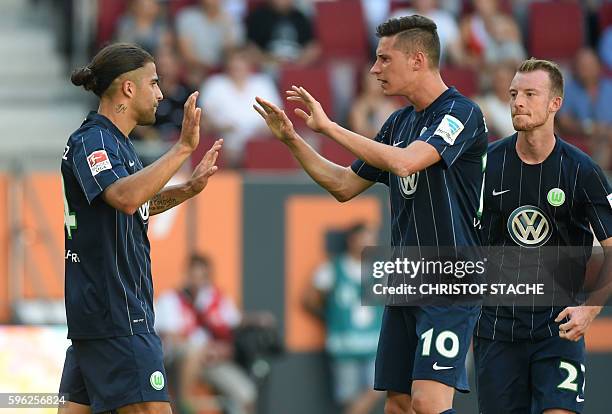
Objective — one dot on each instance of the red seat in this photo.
(336, 152)
(341, 30)
(605, 16)
(206, 142)
(109, 12)
(465, 80)
(556, 29)
(268, 154)
(315, 80)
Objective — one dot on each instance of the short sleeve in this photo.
(598, 202)
(96, 162)
(453, 132)
(324, 278)
(365, 170)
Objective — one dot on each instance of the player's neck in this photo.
(533, 147)
(430, 88)
(119, 115)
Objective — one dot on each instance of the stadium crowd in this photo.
(233, 50)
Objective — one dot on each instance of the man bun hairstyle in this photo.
(551, 68)
(108, 64)
(414, 33)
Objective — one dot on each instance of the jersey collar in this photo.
(444, 95)
(95, 118)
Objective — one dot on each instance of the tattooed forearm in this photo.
(120, 108)
(161, 203)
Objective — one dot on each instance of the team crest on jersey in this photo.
(408, 185)
(529, 227)
(98, 161)
(143, 210)
(555, 197)
(449, 129)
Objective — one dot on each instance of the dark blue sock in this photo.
(451, 411)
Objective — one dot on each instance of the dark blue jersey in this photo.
(108, 286)
(438, 206)
(542, 206)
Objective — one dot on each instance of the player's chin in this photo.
(147, 119)
(521, 126)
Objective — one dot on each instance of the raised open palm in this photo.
(275, 118)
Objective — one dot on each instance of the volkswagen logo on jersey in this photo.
(529, 227)
(143, 210)
(408, 185)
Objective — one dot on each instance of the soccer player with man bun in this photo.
(430, 154)
(115, 360)
(542, 196)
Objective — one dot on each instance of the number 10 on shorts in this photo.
(446, 342)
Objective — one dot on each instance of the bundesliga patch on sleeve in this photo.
(98, 161)
(610, 199)
(449, 129)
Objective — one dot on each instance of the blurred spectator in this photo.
(352, 329)
(495, 103)
(279, 33)
(371, 108)
(605, 48)
(227, 100)
(205, 32)
(143, 24)
(586, 106)
(451, 48)
(169, 115)
(490, 37)
(375, 12)
(196, 324)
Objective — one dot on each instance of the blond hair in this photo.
(551, 68)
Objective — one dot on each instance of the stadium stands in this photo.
(464, 79)
(268, 154)
(342, 44)
(556, 29)
(315, 80)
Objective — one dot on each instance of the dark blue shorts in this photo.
(529, 377)
(110, 373)
(424, 343)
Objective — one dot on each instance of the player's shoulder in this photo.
(95, 133)
(500, 145)
(455, 102)
(571, 153)
(496, 151)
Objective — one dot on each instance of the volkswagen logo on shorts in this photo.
(143, 210)
(408, 185)
(529, 227)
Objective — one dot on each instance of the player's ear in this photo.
(128, 87)
(555, 104)
(419, 61)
